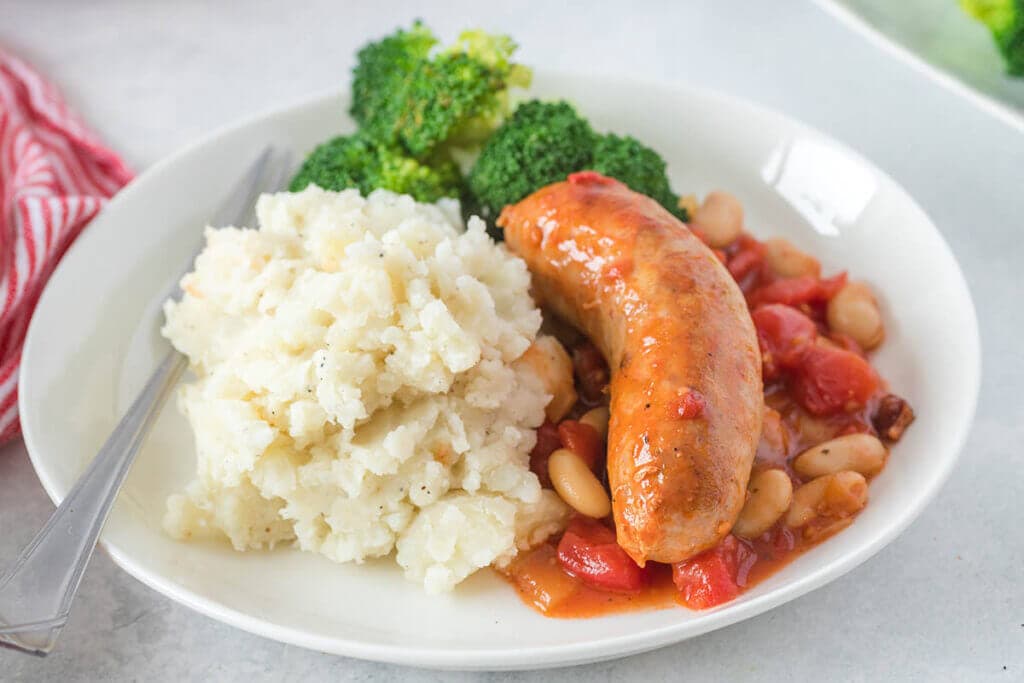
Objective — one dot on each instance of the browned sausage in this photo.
(686, 395)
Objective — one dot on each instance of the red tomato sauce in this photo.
(818, 385)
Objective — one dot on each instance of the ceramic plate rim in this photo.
(535, 657)
(987, 103)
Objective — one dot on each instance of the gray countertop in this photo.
(944, 602)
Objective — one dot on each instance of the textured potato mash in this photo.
(357, 390)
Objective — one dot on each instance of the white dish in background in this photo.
(943, 42)
(94, 339)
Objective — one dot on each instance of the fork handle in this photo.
(37, 590)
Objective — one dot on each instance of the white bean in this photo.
(598, 419)
(720, 218)
(862, 453)
(788, 261)
(577, 485)
(770, 493)
(552, 364)
(853, 311)
(814, 429)
(834, 496)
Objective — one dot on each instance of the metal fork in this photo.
(36, 592)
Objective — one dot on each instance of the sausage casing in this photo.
(686, 393)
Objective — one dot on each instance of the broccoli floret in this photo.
(494, 51)
(356, 161)
(403, 95)
(382, 66)
(638, 166)
(1005, 19)
(541, 143)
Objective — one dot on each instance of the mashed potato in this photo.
(357, 389)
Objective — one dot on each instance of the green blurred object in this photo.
(946, 42)
(1005, 18)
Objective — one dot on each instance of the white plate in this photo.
(943, 42)
(93, 339)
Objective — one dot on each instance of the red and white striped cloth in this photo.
(54, 177)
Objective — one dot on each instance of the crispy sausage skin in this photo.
(686, 394)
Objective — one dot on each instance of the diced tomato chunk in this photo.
(710, 579)
(783, 334)
(828, 287)
(795, 291)
(583, 440)
(847, 342)
(747, 260)
(590, 178)
(790, 291)
(700, 234)
(830, 380)
(591, 372)
(548, 441)
(591, 530)
(589, 552)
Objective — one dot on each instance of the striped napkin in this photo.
(54, 178)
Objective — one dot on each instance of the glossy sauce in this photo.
(788, 430)
(541, 582)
